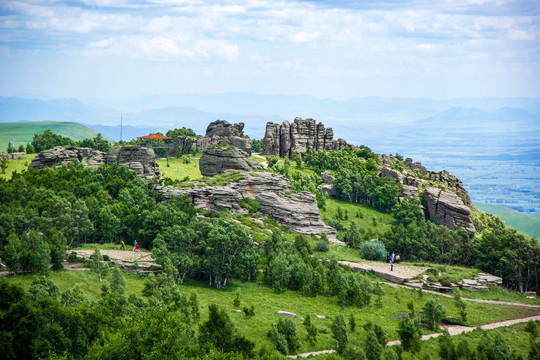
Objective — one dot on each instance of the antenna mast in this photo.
(121, 123)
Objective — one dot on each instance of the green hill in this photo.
(23, 132)
(527, 224)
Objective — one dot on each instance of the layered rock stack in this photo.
(141, 160)
(447, 201)
(302, 136)
(219, 158)
(219, 132)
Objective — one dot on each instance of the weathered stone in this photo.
(391, 173)
(446, 208)
(328, 190)
(326, 177)
(16, 155)
(223, 128)
(286, 313)
(57, 157)
(297, 210)
(302, 135)
(140, 159)
(285, 139)
(386, 159)
(242, 143)
(409, 191)
(215, 160)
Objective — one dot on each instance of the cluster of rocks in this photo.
(13, 156)
(297, 211)
(219, 132)
(302, 136)
(447, 201)
(141, 160)
(219, 158)
(481, 282)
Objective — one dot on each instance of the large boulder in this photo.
(141, 160)
(447, 209)
(55, 157)
(223, 128)
(216, 159)
(302, 135)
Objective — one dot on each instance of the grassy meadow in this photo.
(23, 132)
(17, 165)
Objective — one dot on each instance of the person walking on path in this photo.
(397, 259)
(135, 245)
(122, 246)
(391, 264)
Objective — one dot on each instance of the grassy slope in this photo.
(23, 132)
(18, 165)
(527, 224)
(267, 303)
(177, 170)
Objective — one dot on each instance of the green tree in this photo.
(447, 349)
(287, 328)
(30, 149)
(37, 253)
(409, 334)
(433, 313)
(180, 132)
(339, 332)
(13, 253)
(256, 145)
(99, 266)
(4, 163)
(118, 281)
(311, 330)
(98, 143)
(43, 287)
(460, 304)
(372, 346)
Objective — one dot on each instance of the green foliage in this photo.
(43, 287)
(322, 246)
(4, 162)
(409, 334)
(98, 143)
(373, 250)
(287, 328)
(339, 332)
(311, 330)
(251, 205)
(49, 140)
(256, 145)
(236, 301)
(460, 305)
(433, 313)
(180, 132)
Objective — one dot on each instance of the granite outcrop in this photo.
(219, 158)
(219, 132)
(302, 135)
(298, 211)
(447, 201)
(141, 160)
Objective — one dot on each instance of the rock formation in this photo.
(219, 132)
(297, 211)
(218, 158)
(448, 201)
(141, 160)
(302, 135)
(447, 208)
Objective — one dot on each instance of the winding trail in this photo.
(452, 330)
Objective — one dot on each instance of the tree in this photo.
(339, 332)
(287, 328)
(180, 132)
(219, 331)
(256, 145)
(99, 266)
(118, 281)
(13, 252)
(37, 253)
(372, 346)
(409, 333)
(30, 149)
(4, 162)
(460, 304)
(433, 313)
(43, 287)
(311, 330)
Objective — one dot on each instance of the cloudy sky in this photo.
(328, 49)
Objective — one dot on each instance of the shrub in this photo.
(322, 246)
(373, 250)
(72, 258)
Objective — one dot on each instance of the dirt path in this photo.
(400, 273)
(494, 302)
(264, 164)
(452, 329)
(124, 258)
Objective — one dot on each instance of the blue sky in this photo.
(328, 49)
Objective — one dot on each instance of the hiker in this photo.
(397, 259)
(391, 264)
(388, 257)
(135, 245)
(393, 257)
(122, 247)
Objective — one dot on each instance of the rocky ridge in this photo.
(297, 211)
(447, 201)
(141, 160)
(302, 136)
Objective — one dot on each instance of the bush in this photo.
(322, 246)
(72, 258)
(373, 250)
